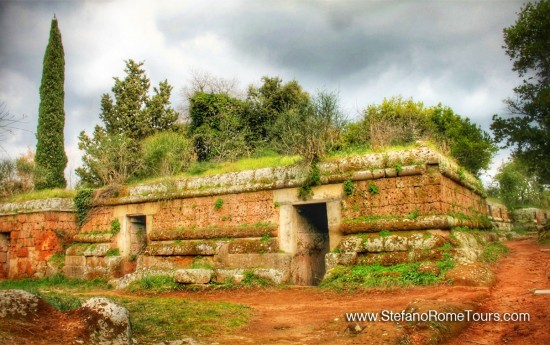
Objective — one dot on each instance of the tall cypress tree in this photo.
(50, 157)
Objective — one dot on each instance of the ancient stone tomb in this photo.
(225, 227)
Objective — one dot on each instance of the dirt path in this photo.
(306, 315)
(311, 316)
(525, 269)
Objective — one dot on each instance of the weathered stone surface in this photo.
(334, 259)
(383, 258)
(429, 267)
(255, 245)
(42, 205)
(246, 261)
(17, 304)
(106, 323)
(193, 276)
(233, 275)
(93, 237)
(426, 241)
(234, 231)
(350, 244)
(474, 274)
(274, 275)
(469, 250)
(184, 247)
(169, 263)
(88, 249)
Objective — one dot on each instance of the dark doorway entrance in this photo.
(312, 241)
(5, 254)
(137, 232)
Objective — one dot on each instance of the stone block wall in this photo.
(499, 215)
(530, 218)
(250, 220)
(29, 240)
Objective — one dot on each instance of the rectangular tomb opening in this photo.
(312, 243)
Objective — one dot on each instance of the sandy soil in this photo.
(305, 315)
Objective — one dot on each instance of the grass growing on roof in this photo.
(43, 194)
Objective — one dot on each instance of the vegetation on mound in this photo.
(154, 319)
(42, 194)
(492, 252)
(378, 276)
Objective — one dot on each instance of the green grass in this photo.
(269, 160)
(57, 290)
(156, 319)
(519, 230)
(360, 150)
(384, 233)
(42, 194)
(378, 276)
(153, 284)
(56, 282)
(492, 252)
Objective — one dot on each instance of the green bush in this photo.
(349, 187)
(166, 154)
(373, 189)
(493, 251)
(83, 204)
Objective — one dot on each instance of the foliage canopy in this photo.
(50, 157)
(527, 44)
(113, 154)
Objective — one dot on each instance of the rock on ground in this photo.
(107, 323)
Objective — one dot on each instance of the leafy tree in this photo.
(310, 129)
(395, 121)
(517, 188)
(202, 81)
(266, 103)
(401, 122)
(217, 127)
(132, 112)
(472, 147)
(527, 43)
(51, 159)
(113, 154)
(108, 159)
(166, 153)
(16, 176)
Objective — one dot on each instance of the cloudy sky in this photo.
(447, 52)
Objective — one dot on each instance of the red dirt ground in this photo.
(305, 315)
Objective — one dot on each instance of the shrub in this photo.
(83, 204)
(373, 189)
(349, 187)
(166, 154)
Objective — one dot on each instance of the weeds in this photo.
(373, 189)
(384, 233)
(153, 284)
(378, 276)
(493, 251)
(349, 187)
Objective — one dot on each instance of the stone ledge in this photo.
(33, 206)
(443, 222)
(213, 233)
(370, 166)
